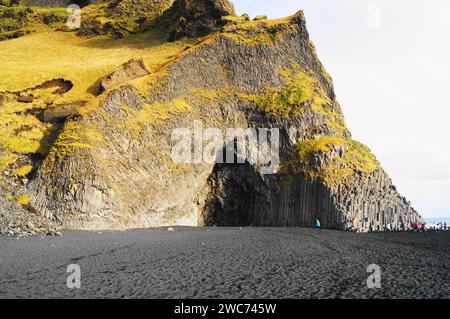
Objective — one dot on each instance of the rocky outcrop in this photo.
(13, 22)
(239, 196)
(133, 69)
(190, 18)
(17, 20)
(259, 75)
(111, 165)
(60, 113)
(18, 219)
(120, 18)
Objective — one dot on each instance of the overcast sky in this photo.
(390, 61)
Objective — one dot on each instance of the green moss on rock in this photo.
(23, 200)
(301, 90)
(16, 21)
(121, 18)
(154, 114)
(74, 137)
(21, 133)
(23, 171)
(332, 159)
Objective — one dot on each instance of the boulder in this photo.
(260, 17)
(133, 69)
(60, 113)
(246, 17)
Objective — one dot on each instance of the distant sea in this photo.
(436, 220)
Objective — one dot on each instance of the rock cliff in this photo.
(110, 166)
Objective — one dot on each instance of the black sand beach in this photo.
(226, 263)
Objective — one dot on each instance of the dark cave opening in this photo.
(83, 3)
(234, 189)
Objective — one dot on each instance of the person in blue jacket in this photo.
(317, 223)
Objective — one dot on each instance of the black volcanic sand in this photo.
(227, 263)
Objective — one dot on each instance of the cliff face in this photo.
(110, 167)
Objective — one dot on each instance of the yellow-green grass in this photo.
(23, 171)
(33, 59)
(258, 32)
(74, 137)
(155, 114)
(353, 158)
(300, 90)
(22, 133)
(23, 200)
(253, 24)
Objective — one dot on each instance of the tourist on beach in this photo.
(317, 223)
(445, 225)
(354, 223)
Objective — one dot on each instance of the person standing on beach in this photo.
(354, 223)
(317, 223)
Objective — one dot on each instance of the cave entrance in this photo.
(233, 194)
(82, 3)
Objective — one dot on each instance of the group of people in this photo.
(438, 227)
(422, 227)
(413, 226)
(406, 227)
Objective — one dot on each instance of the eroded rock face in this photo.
(239, 197)
(133, 69)
(112, 167)
(17, 220)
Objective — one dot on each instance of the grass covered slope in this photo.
(46, 54)
(36, 49)
(33, 59)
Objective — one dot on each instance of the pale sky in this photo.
(390, 61)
